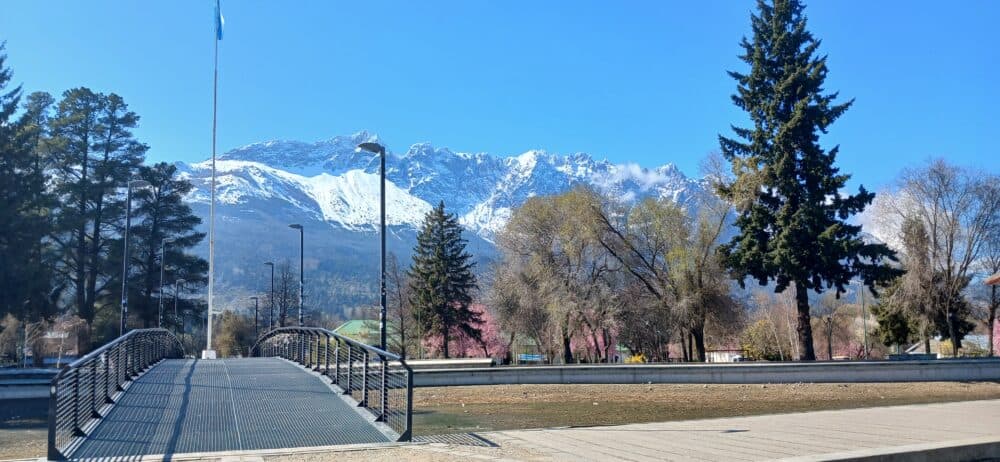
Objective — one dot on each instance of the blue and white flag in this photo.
(219, 21)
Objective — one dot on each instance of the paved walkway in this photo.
(184, 406)
(768, 437)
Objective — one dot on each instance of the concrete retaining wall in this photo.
(952, 370)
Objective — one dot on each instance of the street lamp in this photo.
(302, 248)
(270, 314)
(255, 308)
(128, 224)
(380, 150)
(177, 285)
(163, 264)
(864, 313)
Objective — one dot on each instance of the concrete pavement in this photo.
(824, 435)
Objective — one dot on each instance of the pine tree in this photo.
(159, 212)
(24, 212)
(94, 154)
(441, 279)
(792, 217)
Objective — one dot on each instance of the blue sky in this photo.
(639, 81)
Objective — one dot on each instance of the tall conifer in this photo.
(792, 215)
(441, 279)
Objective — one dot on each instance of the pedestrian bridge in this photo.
(305, 387)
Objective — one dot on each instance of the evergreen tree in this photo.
(441, 279)
(159, 212)
(94, 155)
(792, 217)
(24, 213)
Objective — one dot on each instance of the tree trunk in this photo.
(804, 328)
(829, 342)
(956, 344)
(444, 340)
(567, 350)
(994, 303)
(698, 335)
(684, 349)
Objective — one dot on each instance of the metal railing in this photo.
(83, 391)
(376, 380)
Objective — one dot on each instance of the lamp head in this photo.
(180, 282)
(295, 226)
(269, 263)
(253, 298)
(372, 147)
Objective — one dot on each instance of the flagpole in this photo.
(209, 353)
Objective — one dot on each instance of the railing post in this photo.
(107, 376)
(316, 357)
(408, 433)
(350, 370)
(93, 389)
(336, 362)
(384, 412)
(76, 403)
(326, 354)
(364, 381)
(53, 451)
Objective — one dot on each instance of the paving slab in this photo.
(854, 434)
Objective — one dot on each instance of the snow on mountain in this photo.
(331, 181)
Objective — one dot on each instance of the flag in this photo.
(219, 21)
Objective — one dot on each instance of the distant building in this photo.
(972, 345)
(724, 355)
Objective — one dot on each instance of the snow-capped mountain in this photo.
(333, 190)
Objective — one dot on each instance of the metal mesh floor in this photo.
(188, 405)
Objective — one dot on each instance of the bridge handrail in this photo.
(278, 330)
(80, 391)
(356, 363)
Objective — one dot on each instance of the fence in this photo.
(376, 380)
(83, 391)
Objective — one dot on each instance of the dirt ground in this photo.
(466, 409)
(469, 409)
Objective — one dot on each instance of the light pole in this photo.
(302, 247)
(163, 264)
(255, 308)
(380, 150)
(177, 285)
(864, 313)
(270, 313)
(128, 224)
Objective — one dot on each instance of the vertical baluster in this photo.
(107, 375)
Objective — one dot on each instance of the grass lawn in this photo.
(505, 407)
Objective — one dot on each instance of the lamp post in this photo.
(177, 285)
(302, 248)
(270, 313)
(864, 313)
(163, 265)
(128, 224)
(380, 150)
(255, 308)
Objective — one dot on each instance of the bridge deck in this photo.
(188, 405)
